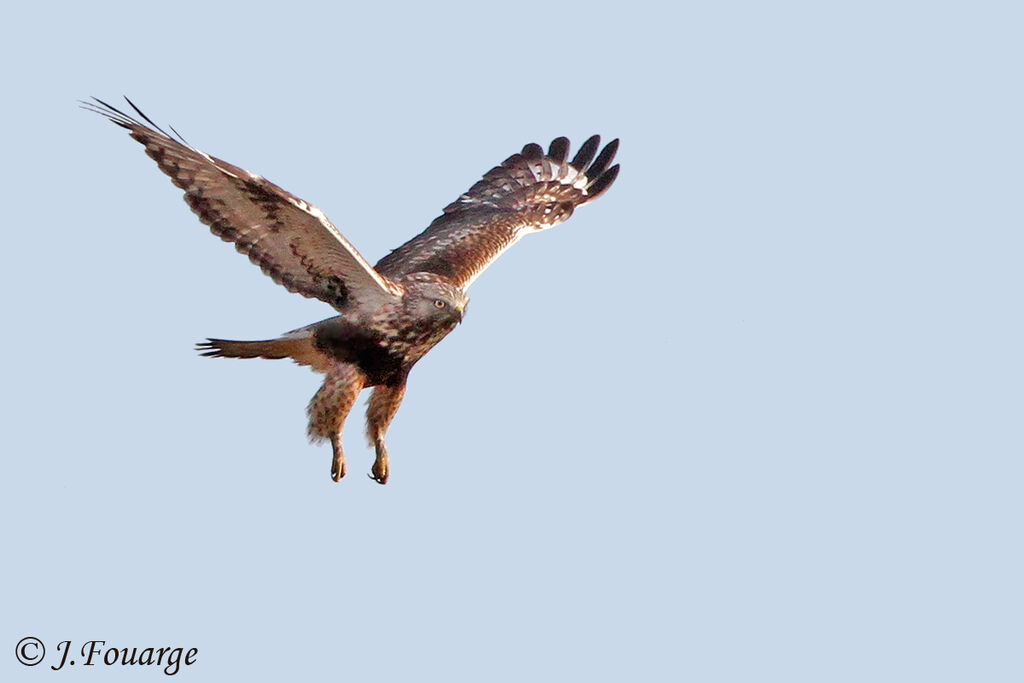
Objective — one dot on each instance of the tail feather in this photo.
(298, 348)
(227, 348)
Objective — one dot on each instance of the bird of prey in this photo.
(391, 314)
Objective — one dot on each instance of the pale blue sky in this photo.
(752, 416)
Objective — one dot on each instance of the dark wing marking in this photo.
(291, 240)
(528, 192)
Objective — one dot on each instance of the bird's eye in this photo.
(439, 304)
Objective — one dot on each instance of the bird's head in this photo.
(436, 300)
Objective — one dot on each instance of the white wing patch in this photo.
(542, 170)
(566, 174)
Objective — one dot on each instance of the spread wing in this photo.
(291, 240)
(528, 192)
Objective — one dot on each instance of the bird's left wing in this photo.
(290, 240)
(528, 192)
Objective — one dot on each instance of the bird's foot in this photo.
(338, 467)
(380, 469)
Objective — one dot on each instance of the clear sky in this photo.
(754, 415)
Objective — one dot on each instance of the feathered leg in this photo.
(329, 407)
(384, 404)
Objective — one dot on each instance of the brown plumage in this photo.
(391, 314)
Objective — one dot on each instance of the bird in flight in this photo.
(390, 314)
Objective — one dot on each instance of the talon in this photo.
(338, 468)
(380, 472)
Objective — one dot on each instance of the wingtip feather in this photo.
(602, 183)
(604, 159)
(586, 153)
(532, 151)
(558, 150)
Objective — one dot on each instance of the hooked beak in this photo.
(462, 312)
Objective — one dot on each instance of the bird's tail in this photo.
(296, 345)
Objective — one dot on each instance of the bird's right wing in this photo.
(528, 192)
(290, 240)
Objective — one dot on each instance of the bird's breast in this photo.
(367, 349)
(381, 352)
